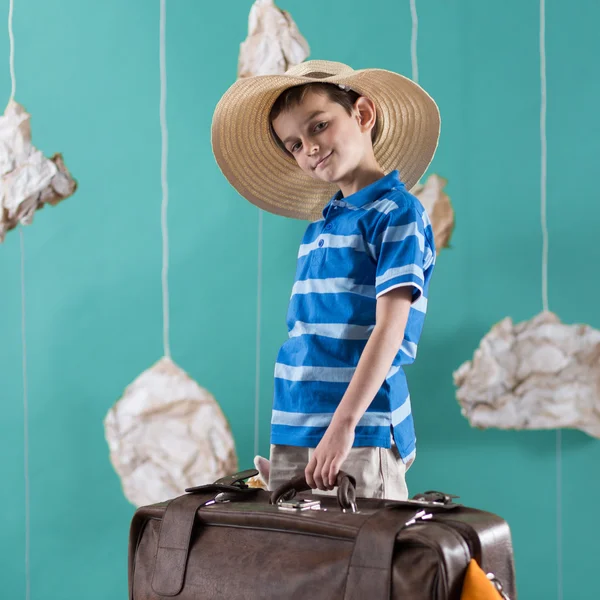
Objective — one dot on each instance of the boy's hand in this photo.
(328, 457)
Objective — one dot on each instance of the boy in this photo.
(326, 143)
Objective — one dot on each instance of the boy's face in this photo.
(327, 142)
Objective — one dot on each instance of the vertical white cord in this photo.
(413, 41)
(544, 222)
(559, 536)
(25, 418)
(544, 155)
(11, 38)
(258, 311)
(164, 181)
(13, 90)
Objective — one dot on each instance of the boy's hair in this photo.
(295, 95)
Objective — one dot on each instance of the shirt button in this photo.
(328, 227)
(321, 242)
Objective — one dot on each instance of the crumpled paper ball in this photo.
(274, 43)
(165, 434)
(437, 204)
(28, 180)
(538, 374)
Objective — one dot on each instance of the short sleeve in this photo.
(401, 251)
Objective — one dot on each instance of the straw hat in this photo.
(409, 126)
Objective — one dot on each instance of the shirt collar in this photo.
(372, 192)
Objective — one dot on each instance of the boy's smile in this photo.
(323, 161)
(328, 143)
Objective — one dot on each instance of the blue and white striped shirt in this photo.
(367, 244)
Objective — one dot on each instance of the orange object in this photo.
(477, 586)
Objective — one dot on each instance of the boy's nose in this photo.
(311, 149)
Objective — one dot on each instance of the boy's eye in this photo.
(318, 127)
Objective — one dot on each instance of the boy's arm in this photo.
(375, 362)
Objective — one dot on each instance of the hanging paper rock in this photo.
(29, 180)
(438, 206)
(167, 433)
(274, 43)
(539, 374)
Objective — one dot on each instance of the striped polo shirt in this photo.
(366, 244)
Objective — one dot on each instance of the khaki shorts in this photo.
(379, 472)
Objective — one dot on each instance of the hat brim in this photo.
(251, 160)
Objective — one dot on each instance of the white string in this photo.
(559, 533)
(544, 155)
(258, 311)
(13, 90)
(25, 419)
(11, 38)
(164, 182)
(544, 221)
(413, 41)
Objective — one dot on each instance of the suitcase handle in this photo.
(346, 494)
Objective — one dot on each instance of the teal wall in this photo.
(88, 73)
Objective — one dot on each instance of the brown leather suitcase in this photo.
(227, 540)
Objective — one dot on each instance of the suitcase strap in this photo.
(370, 568)
(176, 529)
(174, 543)
(176, 533)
